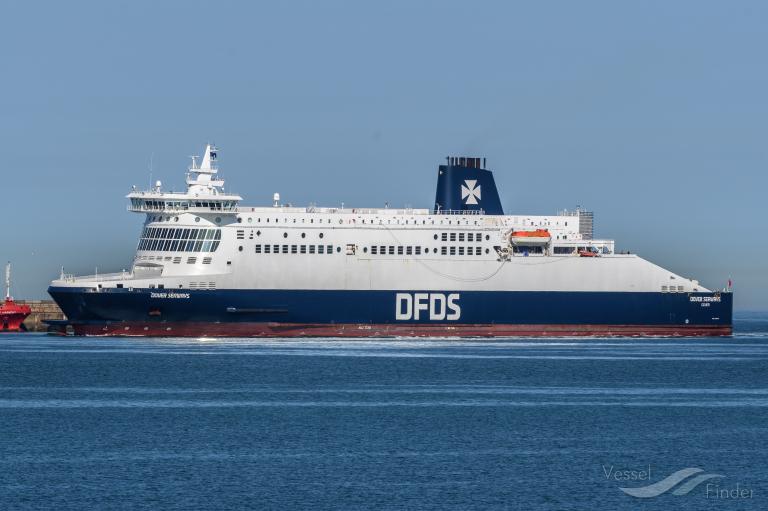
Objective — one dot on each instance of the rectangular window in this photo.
(443, 251)
(400, 250)
(418, 250)
(311, 249)
(258, 249)
(478, 250)
(408, 250)
(329, 249)
(294, 249)
(453, 250)
(240, 234)
(303, 249)
(391, 250)
(383, 250)
(453, 236)
(285, 249)
(321, 249)
(444, 236)
(267, 249)
(461, 236)
(374, 250)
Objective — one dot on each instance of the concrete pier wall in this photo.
(41, 310)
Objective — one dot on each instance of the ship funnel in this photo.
(464, 185)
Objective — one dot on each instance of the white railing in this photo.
(97, 277)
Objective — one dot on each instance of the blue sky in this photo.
(652, 114)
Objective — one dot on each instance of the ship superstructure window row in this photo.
(293, 249)
(470, 237)
(169, 239)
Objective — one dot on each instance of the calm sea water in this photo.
(381, 424)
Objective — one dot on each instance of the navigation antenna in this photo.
(8, 281)
(151, 158)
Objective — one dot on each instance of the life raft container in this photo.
(536, 238)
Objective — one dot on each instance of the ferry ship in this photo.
(12, 315)
(207, 266)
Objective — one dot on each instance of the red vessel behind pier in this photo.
(12, 315)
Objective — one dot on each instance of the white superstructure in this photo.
(204, 239)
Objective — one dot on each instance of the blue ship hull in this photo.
(184, 312)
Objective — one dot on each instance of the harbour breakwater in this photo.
(41, 310)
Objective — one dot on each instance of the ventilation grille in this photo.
(207, 260)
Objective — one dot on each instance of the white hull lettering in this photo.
(419, 306)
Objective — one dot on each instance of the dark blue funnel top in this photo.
(463, 185)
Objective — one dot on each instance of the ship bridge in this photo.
(205, 191)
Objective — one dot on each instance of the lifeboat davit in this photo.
(536, 238)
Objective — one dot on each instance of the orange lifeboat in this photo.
(538, 237)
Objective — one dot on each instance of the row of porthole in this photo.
(341, 221)
(176, 219)
(285, 234)
(487, 237)
(426, 251)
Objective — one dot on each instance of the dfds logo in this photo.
(438, 306)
